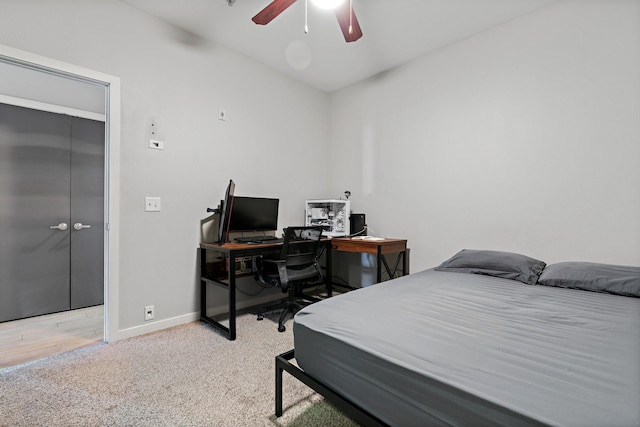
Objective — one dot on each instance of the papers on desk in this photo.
(367, 238)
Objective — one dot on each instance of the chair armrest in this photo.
(281, 267)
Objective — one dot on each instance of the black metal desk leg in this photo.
(329, 278)
(203, 284)
(405, 263)
(379, 265)
(232, 298)
(278, 389)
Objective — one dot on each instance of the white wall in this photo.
(180, 82)
(523, 138)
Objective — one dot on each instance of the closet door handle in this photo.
(62, 226)
(80, 226)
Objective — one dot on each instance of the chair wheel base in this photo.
(281, 328)
(260, 317)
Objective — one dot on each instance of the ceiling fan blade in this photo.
(273, 9)
(347, 18)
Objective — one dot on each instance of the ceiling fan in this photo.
(344, 12)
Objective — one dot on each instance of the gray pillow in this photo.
(507, 265)
(614, 279)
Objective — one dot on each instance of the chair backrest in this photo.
(301, 246)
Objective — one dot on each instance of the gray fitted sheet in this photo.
(441, 348)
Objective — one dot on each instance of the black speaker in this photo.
(358, 225)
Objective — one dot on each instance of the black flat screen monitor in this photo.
(225, 213)
(254, 214)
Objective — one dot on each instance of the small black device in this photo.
(358, 225)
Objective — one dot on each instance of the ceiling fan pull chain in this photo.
(306, 25)
(350, 16)
(347, 19)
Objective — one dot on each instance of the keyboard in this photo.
(258, 239)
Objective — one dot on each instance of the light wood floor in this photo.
(37, 337)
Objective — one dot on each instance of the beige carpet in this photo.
(184, 376)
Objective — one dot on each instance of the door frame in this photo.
(112, 120)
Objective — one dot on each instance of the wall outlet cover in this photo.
(156, 144)
(149, 312)
(152, 204)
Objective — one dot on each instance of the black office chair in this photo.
(296, 269)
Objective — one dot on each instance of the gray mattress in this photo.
(441, 348)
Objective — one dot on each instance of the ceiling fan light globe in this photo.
(298, 55)
(328, 4)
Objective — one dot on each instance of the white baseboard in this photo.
(156, 326)
(187, 318)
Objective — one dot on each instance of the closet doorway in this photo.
(51, 212)
(82, 97)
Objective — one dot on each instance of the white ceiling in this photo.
(395, 31)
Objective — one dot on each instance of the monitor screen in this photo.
(225, 213)
(254, 214)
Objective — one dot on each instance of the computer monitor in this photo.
(225, 213)
(254, 214)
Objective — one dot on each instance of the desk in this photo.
(232, 251)
(380, 248)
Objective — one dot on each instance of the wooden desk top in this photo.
(344, 244)
(370, 246)
(237, 246)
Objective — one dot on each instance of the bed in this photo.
(487, 338)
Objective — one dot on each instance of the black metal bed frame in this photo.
(347, 407)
